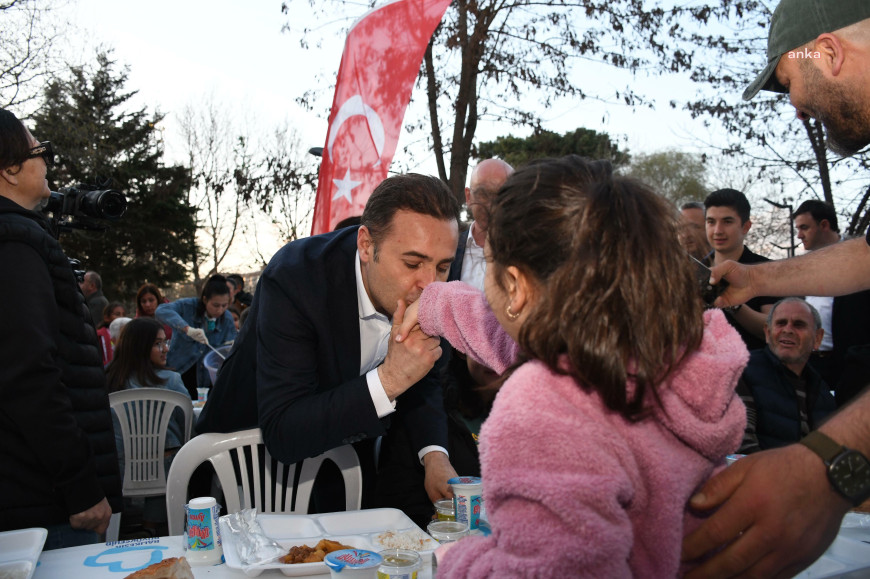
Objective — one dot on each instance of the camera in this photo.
(83, 208)
(81, 202)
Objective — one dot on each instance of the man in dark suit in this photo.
(318, 338)
(846, 319)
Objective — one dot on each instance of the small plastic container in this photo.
(399, 564)
(444, 510)
(353, 564)
(202, 394)
(203, 534)
(447, 531)
(467, 499)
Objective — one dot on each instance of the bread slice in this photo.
(172, 568)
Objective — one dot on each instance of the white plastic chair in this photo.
(143, 414)
(267, 485)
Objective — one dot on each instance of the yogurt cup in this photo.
(467, 499)
(353, 563)
(399, 564)
(203, 534)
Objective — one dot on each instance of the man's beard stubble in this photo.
(839, 108)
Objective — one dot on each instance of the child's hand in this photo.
(409, 321)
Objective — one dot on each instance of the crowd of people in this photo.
(559, 347)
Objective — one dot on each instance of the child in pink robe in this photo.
(619, 398)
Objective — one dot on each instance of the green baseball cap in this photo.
(796, 22)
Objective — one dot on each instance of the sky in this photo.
(181, 52)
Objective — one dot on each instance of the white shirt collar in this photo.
(471, 242)
(365, 306)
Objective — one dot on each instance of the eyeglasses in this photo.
(162, 344)
(43, 150)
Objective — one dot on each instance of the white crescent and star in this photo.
(344, 187)
(352, 107)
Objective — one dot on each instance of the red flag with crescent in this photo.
(380, 62)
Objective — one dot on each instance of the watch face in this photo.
(850, 474)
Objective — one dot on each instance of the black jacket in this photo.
(776, 402)
(57, 445)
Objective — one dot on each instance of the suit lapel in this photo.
(456, 266)
(344, 319)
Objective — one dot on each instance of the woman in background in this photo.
(111, 312)
(199, 323)
(140, 362)
(147, 299)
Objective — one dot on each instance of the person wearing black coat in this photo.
(57, 447)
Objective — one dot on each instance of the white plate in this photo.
(357, 529)
(231, 556)
(367, 521)
(20, 550)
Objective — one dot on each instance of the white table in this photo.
(849, 554)
(117, 560)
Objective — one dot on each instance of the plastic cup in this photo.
(447, 531)
(467, 499)
(399, 564)
(202, 394)
(444, 510)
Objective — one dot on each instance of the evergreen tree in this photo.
(101, 142)
(542, 143)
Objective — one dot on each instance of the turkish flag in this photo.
(381, 59)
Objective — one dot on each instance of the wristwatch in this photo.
(848, 469)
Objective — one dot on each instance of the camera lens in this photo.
(107, 204)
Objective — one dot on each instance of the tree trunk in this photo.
(816, 134)
(432, 96)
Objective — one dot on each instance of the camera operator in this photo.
(57, 447)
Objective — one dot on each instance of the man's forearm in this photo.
(851, 425)
(839, 269)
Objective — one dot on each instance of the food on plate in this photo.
(172, 568)
(412, 540)
(306, 554)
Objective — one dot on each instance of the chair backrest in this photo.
(143, 414)
(250, 477)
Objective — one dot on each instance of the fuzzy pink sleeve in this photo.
(460, 313)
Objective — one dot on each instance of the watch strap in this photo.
(822, 445)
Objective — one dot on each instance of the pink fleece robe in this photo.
(572, 489)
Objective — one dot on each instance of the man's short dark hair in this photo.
(237, 280)
(819, 210)
(413, 192)
(729, 198)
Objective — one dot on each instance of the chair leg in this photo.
(114, 527)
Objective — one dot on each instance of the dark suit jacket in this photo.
(301, 342)
(456, 266)
(850, 326)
